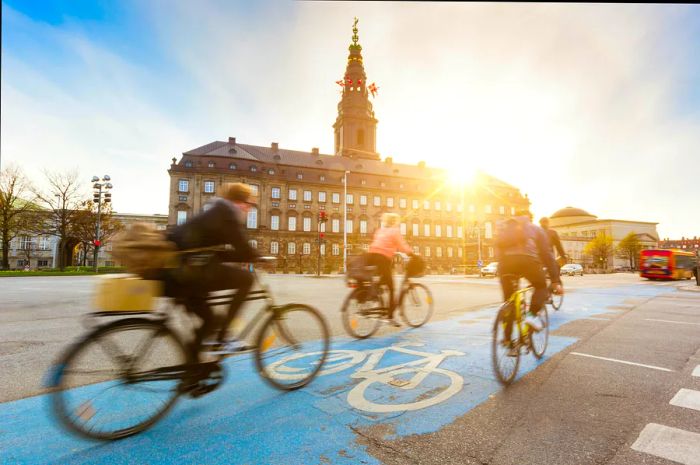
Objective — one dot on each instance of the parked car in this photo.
(571, 269)
(489, 270)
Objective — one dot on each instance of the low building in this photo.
(577, 227)
(684, 243)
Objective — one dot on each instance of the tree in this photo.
(15, 209)
(62, 203)
(599, 249)
(83, 227)
(629, 248)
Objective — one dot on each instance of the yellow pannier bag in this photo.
(120, 293)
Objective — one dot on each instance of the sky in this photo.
(595, 106)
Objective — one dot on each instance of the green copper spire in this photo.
(355, 37)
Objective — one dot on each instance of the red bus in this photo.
(667, 264)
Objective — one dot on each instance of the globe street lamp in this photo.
(101, 190)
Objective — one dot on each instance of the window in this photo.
(349, 199)
(322, 197)
(183, 185)
(363, 226)
(42, 263)
(449, 252)
(377, 201)
(390, 202)
(490, 251)
(253, 168)
(414, 204)
(211, 164)
(322, 178)
(512, 210)
(43, 243)
(291, 248)
(209, 187)
(401, 186)
(292, 194)
(448, 206)
(437, 205)
(438, 252)
(438, 230)
(253, 243)
(427, 251)
(335, 249)
(188, 164)
(348, 226)
(307, 196)
(306, 248)
(275, 222)
(415, 229)
(402, 203)
(448, 230)
(276, 192)
(460, 231)
(472, 208)
(487, 208)
(426, 205)
(307, 223)
(402, 228)
(292, 223)
(335, 225)
(182, 198)
(416, 249)
(426, 230)
(363, 182)
(181, 217)
(232, 166)
(488, 233)
(323, 249)
(274, 247)
(363, 200)
(502, 210)
(300, 176)
(322, 227)
(25, 242)
(252, 219)
(335, 197)
(253, 189)
(459, 252)
(270, 171)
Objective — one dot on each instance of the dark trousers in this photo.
(511, 267)
(194, 286)
(384, 265)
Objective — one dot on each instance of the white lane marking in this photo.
(621, 361)
(696, 371)
(687, 398)
(669, 443)
(673, 321)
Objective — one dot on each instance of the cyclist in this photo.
(554, 241)
(522, 249)
(386, 242)
(223, 223)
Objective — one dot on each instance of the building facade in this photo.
(684, 243)
(451, 227)
(577, 228)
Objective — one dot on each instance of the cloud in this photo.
(575, 104)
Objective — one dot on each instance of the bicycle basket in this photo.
(415, 267)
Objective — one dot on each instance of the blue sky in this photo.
(595, 106)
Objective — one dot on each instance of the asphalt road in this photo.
(618, 385)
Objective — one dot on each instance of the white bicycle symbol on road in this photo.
(341, 359)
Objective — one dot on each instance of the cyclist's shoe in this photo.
(391, 321)
(226, 347)
(513, 349)
(533, 322)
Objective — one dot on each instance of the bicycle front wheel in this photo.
(292, 346)
(505, 347)
(416, 305)
(361, 312)
(539, 339)
(119, 379)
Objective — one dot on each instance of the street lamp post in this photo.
(345, 222)
(101, 188)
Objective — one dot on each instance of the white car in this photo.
(571, 269)
(489, 270)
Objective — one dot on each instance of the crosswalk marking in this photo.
(687, 398)
(669, 443)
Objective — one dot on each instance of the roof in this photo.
(571, 211)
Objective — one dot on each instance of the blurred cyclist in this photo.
(387, 241)
(522, 249)
(554, 241)
(223, 224)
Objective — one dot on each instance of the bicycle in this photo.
(555, 300)
(94, 382)
(368, 304)
(506, 346)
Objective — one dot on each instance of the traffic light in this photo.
(322, 217)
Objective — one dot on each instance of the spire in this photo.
(355, 127)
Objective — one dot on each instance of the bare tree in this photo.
(16, 207)
(84, 230)
(62, 201)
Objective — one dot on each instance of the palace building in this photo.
(452, 228)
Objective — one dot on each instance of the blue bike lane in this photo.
(411, 382)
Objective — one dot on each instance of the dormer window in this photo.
(300, 176)
(322, 178)
(232, 166)
(253, 168)
(270, 172)
(188, 164)
(211, 164)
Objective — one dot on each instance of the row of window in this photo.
(427, 251)
(31, 242)
(183, 185)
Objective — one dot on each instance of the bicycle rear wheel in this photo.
(119, 379)
(539, 339)
(505, 348)
(361, 312)
(416, 305)
(292, 346)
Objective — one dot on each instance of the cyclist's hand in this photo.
(558, 289)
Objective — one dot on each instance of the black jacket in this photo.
(555, 242)
(222, 224)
